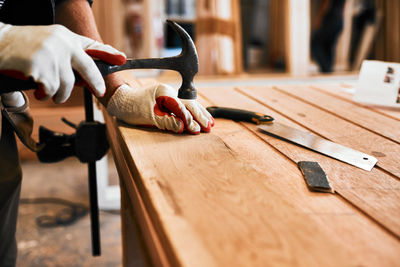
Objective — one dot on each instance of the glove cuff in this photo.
(120, 100)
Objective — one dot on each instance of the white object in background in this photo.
(108, 195)
(297, 34)
(379, 83)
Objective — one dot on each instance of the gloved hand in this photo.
(49, 54)
(158, 106)
(13, 100)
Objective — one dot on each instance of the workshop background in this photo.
(248, 38)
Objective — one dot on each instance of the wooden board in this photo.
(352, 183)
(342, 93)
(290, 183)
(333, 128)
(362, 116)
(235, 197)
(219, 37)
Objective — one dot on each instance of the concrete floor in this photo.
(63, 245)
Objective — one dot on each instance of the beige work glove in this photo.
(158, 106)
(49, 54)
(13, 99)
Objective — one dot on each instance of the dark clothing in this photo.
(323, 39)
(366, 16)
(29, 12)
(10, 187)
(16, 12)
(13, 119)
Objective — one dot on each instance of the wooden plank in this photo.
(375, 122)
(332, 127)
(332, 214)
(158, 256)
(236, 18)
(375, 193)
(343, 92)
(218, 37)
(110, 17)
(133, 245)
(297, 37)
(189, 194)
(275, 35)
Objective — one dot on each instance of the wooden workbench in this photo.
(235, 197)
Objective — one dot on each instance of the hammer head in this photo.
(186, 63)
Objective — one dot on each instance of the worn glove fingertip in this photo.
(212, 122)
(100, 90)
(177, 130)
(194, 128)
(57, 100)
(181, 129)
(195, 133)
(206, 129)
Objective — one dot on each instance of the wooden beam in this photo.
(218, 37)
(297, 28)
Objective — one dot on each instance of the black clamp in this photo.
(89, 143)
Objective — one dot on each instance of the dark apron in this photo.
(10, 187)
(14, 120)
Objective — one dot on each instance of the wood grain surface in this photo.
(352, 183)
(235, 197)
(331, 126)
(342, 92)
(362, 116)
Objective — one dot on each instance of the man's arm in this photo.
(77, 16)
(156, 105)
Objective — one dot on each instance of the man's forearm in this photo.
(78, 17)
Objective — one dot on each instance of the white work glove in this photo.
(13, 100)
(158, 106)
(49, 54)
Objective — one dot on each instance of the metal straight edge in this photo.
(320, 145)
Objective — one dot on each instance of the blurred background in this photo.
(296, 37)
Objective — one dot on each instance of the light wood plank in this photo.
(297, 36)
(342, 92)
(375, 193)
(219, 37)
(332, 214)
(375, 122)
(210, 205)
(110, 19)
(331, 127)
(132, 203)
